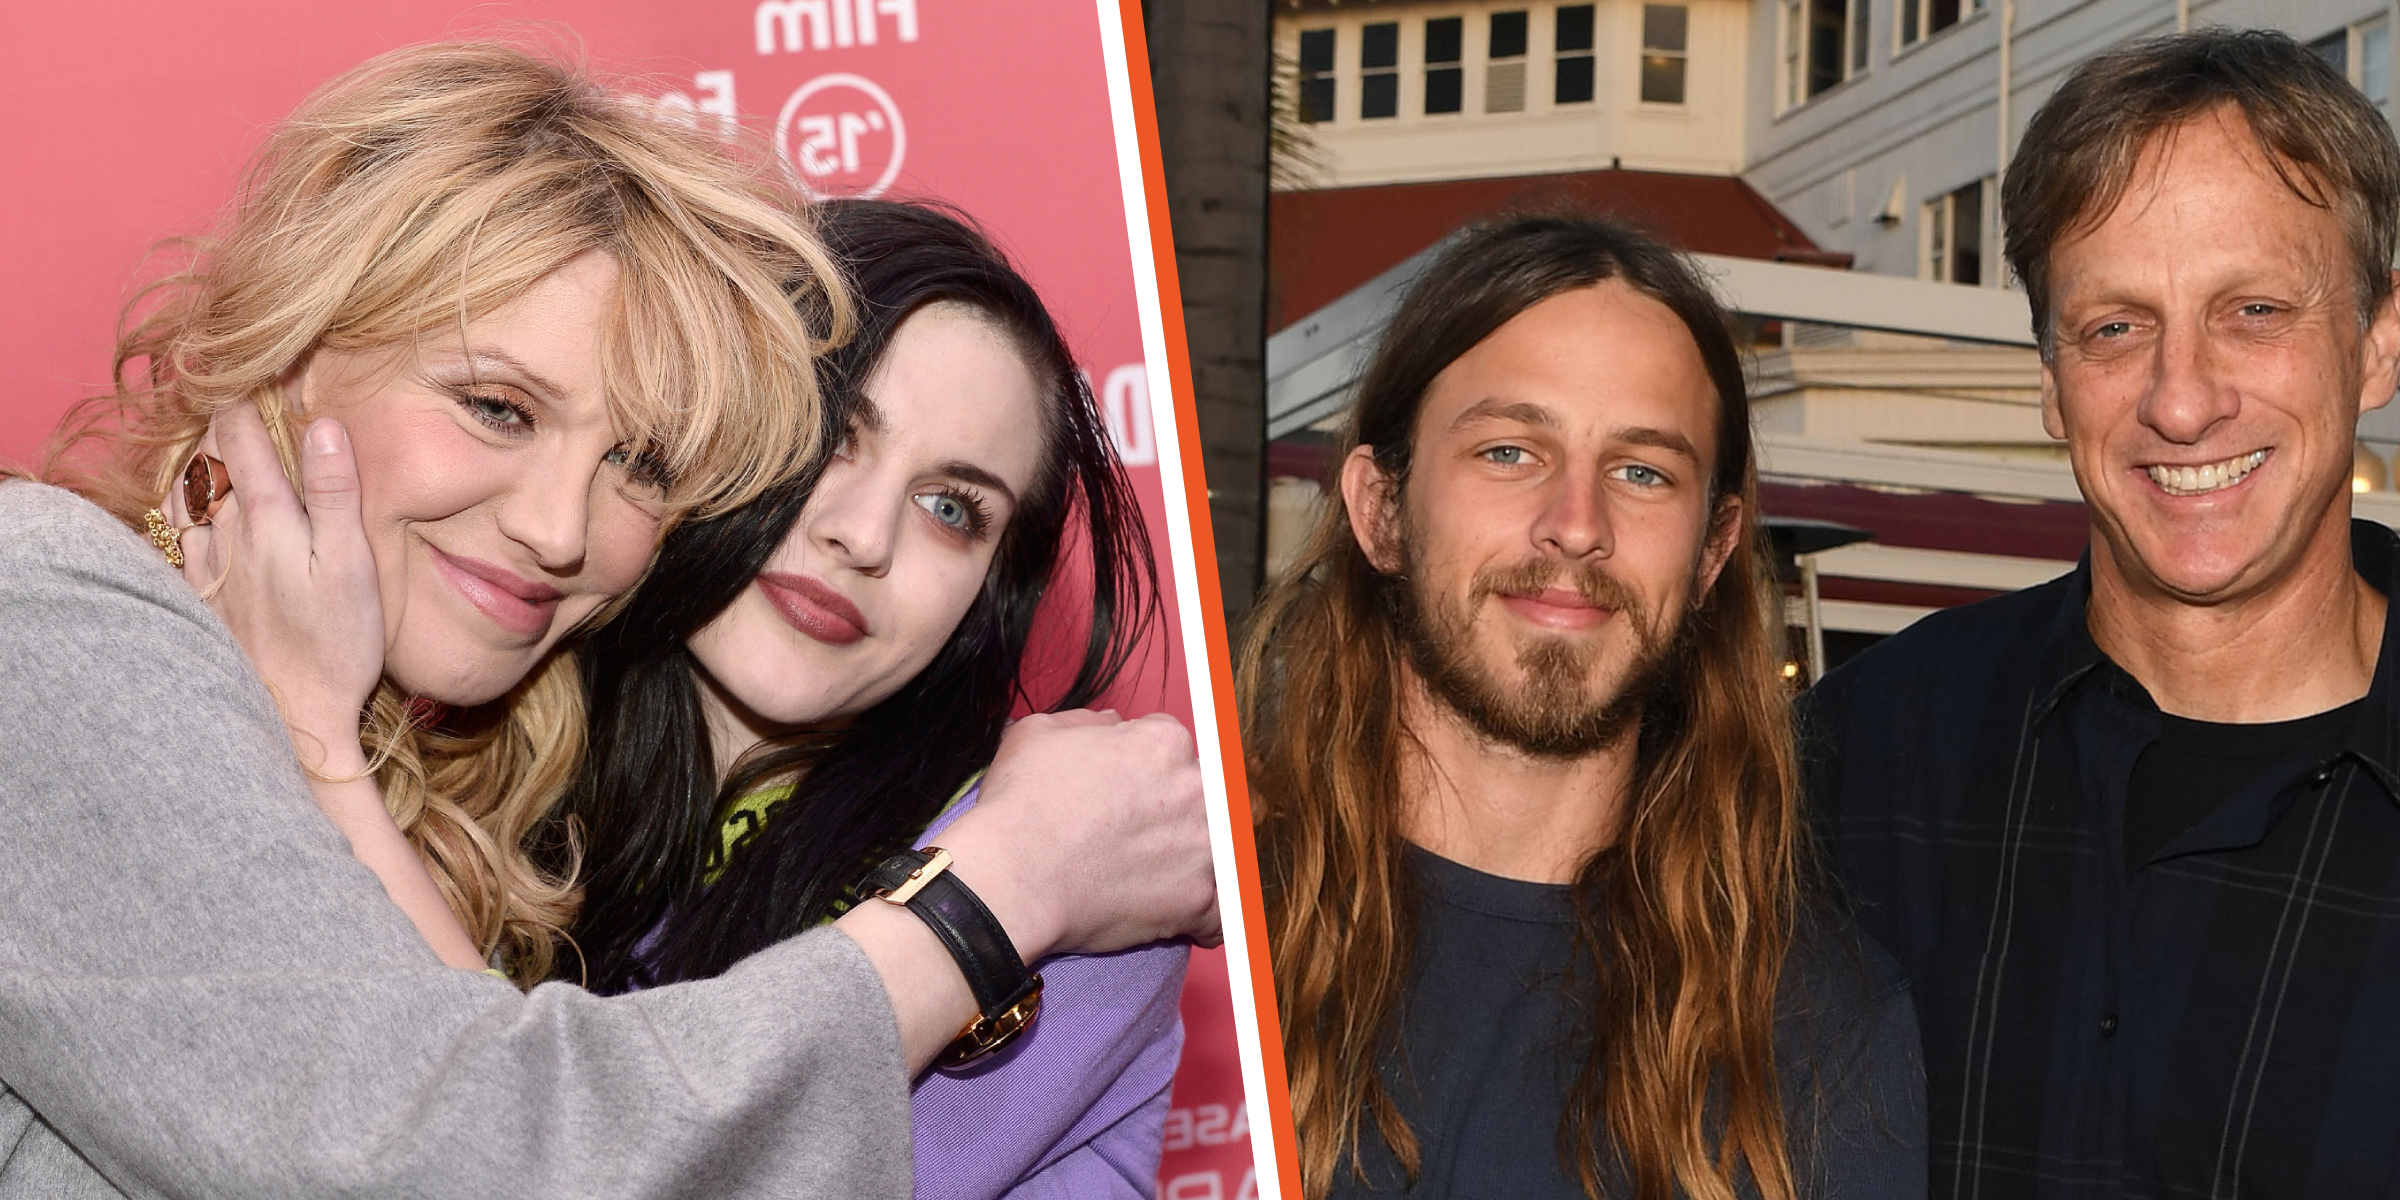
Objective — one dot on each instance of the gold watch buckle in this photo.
(918, 878)
(985, 1036)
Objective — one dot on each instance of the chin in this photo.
(815, 709)
(455, 684)
(2203, 566)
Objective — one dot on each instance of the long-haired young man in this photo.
(1519, 743)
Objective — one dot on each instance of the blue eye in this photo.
(959, 511)
(1642, 476)
(1506, 456)
(496, 412)
(641, 466)
(945, 508)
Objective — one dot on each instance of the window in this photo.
(2374, 74)
(1795, 64)
(1954, 235)
(2363, 54)
(1921, 19)
(1574, 46)
(1445, 80)
(1666, 28)
(1379, 70)
(1824, 43)
(1504, 76)
(1316, 75)
(2334, 48)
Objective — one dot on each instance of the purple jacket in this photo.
(1077, 1106)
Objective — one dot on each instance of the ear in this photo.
(2054, 422)
(2381, 351)
(1374, 508)
(1725, 528)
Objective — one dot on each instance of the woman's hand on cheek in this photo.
(295, 581)
(1091, 835)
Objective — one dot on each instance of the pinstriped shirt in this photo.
(2223, 1019)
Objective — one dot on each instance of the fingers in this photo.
(329, 484)
(204, 546)
(1211, 931)
(328, 470)
(1073, 718)
(250, 461)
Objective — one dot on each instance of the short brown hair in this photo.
(2322, 136)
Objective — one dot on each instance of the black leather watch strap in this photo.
(987, 958)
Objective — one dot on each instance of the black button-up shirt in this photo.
(2223, 1020)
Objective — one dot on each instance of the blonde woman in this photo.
(499, 328)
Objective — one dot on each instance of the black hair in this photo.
(646, 807)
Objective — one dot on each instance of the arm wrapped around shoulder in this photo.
(203, 993)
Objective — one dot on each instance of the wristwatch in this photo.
(1007, 996)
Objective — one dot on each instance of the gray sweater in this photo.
(203, 994)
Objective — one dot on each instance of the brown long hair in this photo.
(426, 187)
(1683, 923)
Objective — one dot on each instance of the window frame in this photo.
(1795, 59)
(1681, 57)
(1330, 76)
(2353, 44)
(1455, 67)
(1497, 66)
(1922, 12)
(1587, 54)
(1938, 241)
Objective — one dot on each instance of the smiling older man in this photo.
(2135, 834)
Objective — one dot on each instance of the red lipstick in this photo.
(813, 608)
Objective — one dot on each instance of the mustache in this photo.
(1590, 583)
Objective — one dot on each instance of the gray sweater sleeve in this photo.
(203, 994)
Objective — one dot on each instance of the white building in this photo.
(1857, 132)
(1407, 91)
(1876, 124)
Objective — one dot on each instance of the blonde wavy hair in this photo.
(423, 189)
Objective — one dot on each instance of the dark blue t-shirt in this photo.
(1489, 1044)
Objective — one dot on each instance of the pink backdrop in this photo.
(133, 121)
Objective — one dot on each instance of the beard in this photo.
(1557, 708)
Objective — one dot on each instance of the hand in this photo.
(295, 582)
(1091, 836)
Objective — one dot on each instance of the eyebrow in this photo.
(865, 415)
(478, 357)
(1663, 439)
(1523, 412)
(967, 472)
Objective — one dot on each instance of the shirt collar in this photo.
(2070, 657)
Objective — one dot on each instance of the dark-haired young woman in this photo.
(805, 686)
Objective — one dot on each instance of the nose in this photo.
(1573, 521)
(851, 520)
(2187, 396)
(548, 511)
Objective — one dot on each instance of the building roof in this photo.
(1325, 242)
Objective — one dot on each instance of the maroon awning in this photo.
(1933, 520)
(1327, 241)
